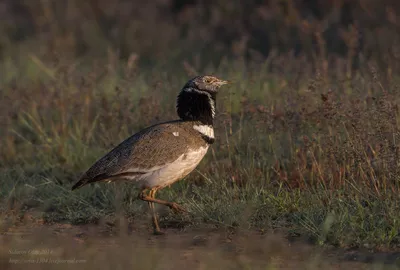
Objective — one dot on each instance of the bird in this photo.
(164, 153)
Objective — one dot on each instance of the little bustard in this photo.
(162, 154)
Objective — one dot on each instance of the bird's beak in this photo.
(222, 82)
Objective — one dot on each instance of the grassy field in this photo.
(315, 157)
(306, 148)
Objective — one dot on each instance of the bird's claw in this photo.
(177, 208)
(158, 232)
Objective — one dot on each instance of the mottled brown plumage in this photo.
(145, 151)
(164, 153)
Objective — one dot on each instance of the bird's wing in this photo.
(141, 153)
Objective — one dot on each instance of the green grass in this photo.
(316, 157)
(307, 138)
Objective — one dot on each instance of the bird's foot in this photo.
(176, 207)
(158, 232)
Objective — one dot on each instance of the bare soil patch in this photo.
(131, 246)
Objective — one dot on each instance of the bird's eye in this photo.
(208, 80)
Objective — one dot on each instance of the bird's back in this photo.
(148, 151)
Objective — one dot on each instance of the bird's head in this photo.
(205, 83)
(197, 100)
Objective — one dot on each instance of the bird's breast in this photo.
(175, 170)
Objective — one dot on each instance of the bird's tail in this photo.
(83, 181)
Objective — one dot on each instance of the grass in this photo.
(307, 143)
(318, 160)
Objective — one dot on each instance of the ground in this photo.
(131, 245)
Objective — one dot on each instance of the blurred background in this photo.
(200, 31)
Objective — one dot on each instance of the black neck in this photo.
(195, 105)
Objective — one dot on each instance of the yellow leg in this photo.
(156, 227)
(150, 198)
(174, 206)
